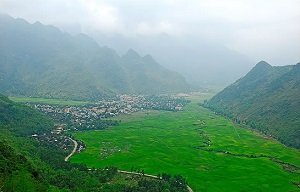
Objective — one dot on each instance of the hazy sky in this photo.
(260, 29)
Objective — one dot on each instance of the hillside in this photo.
(21, 120)
(42, 61)
(267, 99)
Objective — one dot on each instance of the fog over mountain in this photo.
(209, 42)
(201, 62)
(38, 60)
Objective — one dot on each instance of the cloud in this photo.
(163, 27)
(89, 14)
(101, 16)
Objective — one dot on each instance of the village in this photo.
(98, 115)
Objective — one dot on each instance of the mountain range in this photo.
(267, 99)
(203, 62)
(42, 61)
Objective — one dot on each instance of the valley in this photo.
(149, 96)
(211, 152)
(159, 135)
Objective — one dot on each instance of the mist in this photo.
(209, 42)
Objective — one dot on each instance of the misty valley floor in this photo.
(211, 152)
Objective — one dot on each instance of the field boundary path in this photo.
(148, 175)
(73, 151)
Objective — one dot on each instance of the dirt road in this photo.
(74, 150)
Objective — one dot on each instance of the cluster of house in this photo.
(94, 116)
(162, 103)
(56, 138)
(123, 104)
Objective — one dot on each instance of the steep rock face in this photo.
(267, 98)
(38, 60)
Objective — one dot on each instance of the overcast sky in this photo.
(260, 29)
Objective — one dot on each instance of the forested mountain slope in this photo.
(267, 99)
(42, 61)
(22, 120)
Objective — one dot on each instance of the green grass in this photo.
(47, 101)
(167, 142)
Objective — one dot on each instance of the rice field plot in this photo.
(210, 151)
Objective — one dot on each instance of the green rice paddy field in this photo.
(210, 151)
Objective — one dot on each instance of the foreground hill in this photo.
(267, 99)
(42, 61)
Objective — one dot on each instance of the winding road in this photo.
(74, 149)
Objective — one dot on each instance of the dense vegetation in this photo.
(41, 61)
(266, 99)
(21, 120)
(211, 152)
(30, 165)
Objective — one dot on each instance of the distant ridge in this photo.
(42, 61)
(267, 99)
